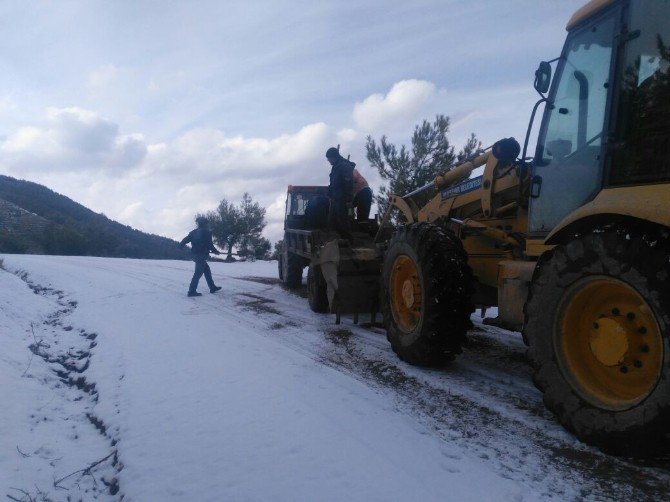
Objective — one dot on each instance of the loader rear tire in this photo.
(598, 330)
(317, 290)
(292, 269)
(427, 286)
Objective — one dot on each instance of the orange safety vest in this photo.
(359, 182)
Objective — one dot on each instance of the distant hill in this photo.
(35, 219)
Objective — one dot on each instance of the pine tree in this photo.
(408, 169)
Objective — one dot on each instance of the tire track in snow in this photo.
(484, 401)
(70, 367)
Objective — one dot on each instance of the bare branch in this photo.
(39, 344)
(84, 472)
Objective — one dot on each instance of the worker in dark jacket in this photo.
(201, 245)
(340, 191)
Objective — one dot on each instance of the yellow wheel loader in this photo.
(571, 244)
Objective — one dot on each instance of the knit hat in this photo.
(332, 153)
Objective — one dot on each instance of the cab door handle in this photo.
(536, 186)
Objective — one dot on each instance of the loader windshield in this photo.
(640, 152)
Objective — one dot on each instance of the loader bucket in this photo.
(352, 276)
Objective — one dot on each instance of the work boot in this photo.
(193, 293)
(214, 289)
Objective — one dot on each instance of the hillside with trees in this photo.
(35, 219)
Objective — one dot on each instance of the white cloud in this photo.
(130, 210)
(404, 103)
(71, 139)
(81, 130)
(7, 104)
(210, 155)
(103, 76)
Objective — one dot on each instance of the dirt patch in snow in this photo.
(256, 303)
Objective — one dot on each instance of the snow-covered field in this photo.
(116, 385)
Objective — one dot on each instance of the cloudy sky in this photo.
(151, 111)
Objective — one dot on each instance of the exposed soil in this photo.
(256, 303)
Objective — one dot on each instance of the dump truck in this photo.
(571, 244)
(342, 275)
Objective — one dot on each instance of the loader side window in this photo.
(640, 152)
(578, 107)
(568, 155)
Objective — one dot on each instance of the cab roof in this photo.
(586, 11)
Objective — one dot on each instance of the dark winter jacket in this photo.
(201, 241)
(342, 180)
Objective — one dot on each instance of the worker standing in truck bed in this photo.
(340, 191)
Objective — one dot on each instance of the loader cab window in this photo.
(568, 156)
(640, 150)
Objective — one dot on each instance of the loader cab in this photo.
(606, 119)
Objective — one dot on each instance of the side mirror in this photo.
(542, 77)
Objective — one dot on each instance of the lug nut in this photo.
(630, 316)
(645, 348)
(623, 369)
(637, 364)
(615, 311)
(642, 330)
(595, 325)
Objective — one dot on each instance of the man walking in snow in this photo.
(201, 245)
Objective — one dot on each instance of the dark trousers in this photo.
(362, 203)
(338, 218)
(201, 267)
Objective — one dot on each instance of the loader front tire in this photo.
(597, 328)
(317, 290)
(427, 286)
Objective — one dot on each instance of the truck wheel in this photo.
(317, 290)
(597, 322)
(427, 286)
(292, 269)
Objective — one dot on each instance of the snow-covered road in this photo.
(248, 395)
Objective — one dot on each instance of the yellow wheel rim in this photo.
(609, 343)
(405, 293)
